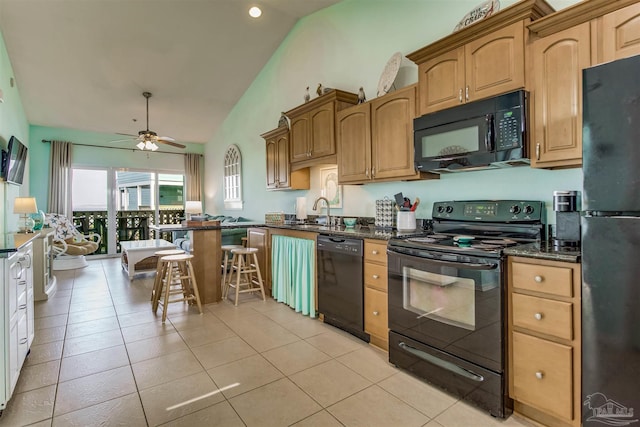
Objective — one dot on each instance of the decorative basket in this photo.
(385, 213)
(276, 218)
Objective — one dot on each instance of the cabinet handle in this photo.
(375, 313)
(466, 93)
(460, 95)
(375, 252)
(366, 172)
(375, 276)
(538, 316)
(538, 279)
(23, 341)
(22, 283)
(373, 172)
(23, 307)
(538, 151)
(539, 375)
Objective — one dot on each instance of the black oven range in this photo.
(447, 297)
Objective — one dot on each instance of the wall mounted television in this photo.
(14, 160)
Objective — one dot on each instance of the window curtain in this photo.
(60, 178)
(193, 177)
(293, 273)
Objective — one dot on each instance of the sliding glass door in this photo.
(120, 205)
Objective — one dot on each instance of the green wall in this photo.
(13, 121)
(347, 46)
(94, 150)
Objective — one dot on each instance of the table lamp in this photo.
(25, 206)
(192, 207)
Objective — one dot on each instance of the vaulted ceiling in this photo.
(83, 64)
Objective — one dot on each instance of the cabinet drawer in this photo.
(542, 375)
(543, 278)
(375, 313)
(375, 252)
(543, 315)
(375, 275)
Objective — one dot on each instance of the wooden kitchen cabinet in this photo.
(485, 59)
(279, 174)
(620, 33)
(484, 67)
(375, 140)
(376, 318)
(559, 59)
(313, 133)
(260, 239)
(544, 340)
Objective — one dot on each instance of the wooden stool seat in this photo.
(159, 272)
(247, 273)
(178, 278)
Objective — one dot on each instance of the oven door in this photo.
(455, 145)
(449, 302)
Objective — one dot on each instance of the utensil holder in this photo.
(406, 221)
(385, 213)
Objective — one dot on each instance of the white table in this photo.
(134, 251)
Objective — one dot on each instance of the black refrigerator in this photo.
(611, 244)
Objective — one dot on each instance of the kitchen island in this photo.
(207, 253)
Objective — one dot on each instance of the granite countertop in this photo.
(14, 241)
(359, 232)
(223, 226)
(545, 250)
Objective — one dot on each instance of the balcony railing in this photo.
(130, 225)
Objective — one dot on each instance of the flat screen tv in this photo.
(14, 161)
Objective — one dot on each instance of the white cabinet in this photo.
(18, 317)
(44, 282)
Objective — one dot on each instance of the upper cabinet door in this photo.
(392, 134)
(272, 163)
(494, 63)
(282, 161)
(323, 139)
(300, 138)
(442, 81)
(621, 33)
(558, 61)
(354, 144)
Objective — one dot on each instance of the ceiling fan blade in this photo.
(123, 140)
(125, 134)
(175, 144)
(166, 138)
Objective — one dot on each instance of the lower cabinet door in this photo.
(375, 313)
(542, 374)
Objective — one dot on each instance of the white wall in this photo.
(347, 46)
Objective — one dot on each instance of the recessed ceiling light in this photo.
(255, 12)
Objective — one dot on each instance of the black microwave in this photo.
(485, 134)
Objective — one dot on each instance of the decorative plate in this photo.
(483, 10)
(389, 73)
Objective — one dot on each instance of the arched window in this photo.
(232, 178)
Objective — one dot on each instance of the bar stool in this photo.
(178, 278)
(244, 271)
(157, 282)
(226, 264)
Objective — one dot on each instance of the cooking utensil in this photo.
(399, 199)
(415, 204)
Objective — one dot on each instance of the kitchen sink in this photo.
(314, 227)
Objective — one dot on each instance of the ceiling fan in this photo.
(147, 139)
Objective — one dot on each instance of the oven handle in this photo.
(441, 363)
(465, 265)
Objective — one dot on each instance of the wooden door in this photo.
(558, 61)
(353, 130)
(392, 134)
(282, 161)
(300, 138)
(621, 33)
(441, 81)
(494, 64)
(259, 238)
(272, 163)
(322, 136)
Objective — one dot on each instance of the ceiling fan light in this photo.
(154, 147)
(140, 145)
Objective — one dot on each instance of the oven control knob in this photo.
(449, 209)
(528, 209)
(515, 209)
(440, 209)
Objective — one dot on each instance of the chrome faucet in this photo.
(326, 202)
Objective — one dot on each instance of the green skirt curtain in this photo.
(293, 273)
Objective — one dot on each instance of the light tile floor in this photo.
(101, 357)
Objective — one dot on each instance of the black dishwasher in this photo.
(340, 283)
